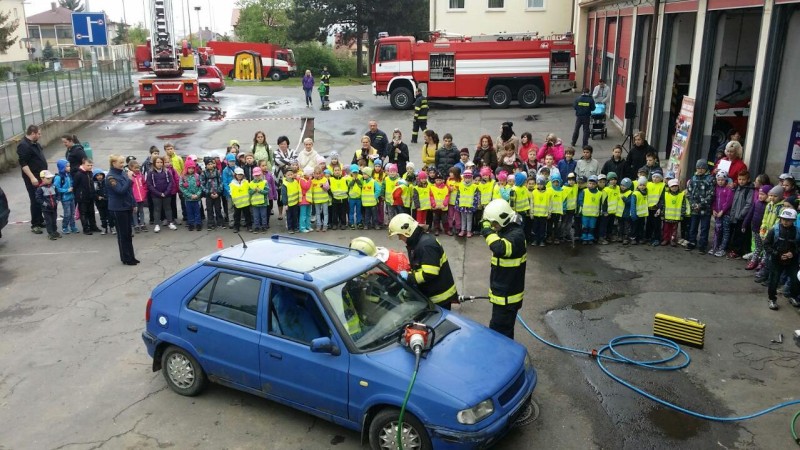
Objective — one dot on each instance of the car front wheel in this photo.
(205, 91)
(182, 372)
(383, 432)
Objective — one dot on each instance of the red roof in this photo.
(57, 16)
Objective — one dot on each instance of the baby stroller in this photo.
(598, 123)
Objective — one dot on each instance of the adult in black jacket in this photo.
(637, 156)
(506, 239)
(616, 164)
(31, 162)
(430, 271)
(447, 155)
(120, 204)
(398, 152)
(83, 188)
(378, 139)
(75, 152)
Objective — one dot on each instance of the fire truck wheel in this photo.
(499, 97)
(275, 76)
(529, 96)
(401, 98)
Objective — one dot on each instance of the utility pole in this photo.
(199, 28)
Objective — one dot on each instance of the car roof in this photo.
(302, 259)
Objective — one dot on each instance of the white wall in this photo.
(18, 51)
(786, 110)
(476, 18)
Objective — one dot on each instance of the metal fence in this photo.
(37, 98)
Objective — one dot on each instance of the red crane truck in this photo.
(500, 68)
(277, 63)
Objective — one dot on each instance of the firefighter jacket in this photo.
(421, 108)
(509, 256)
(430, 270)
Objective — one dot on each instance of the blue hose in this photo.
(656, 364)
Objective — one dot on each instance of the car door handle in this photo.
(192, 328)
(275, 355)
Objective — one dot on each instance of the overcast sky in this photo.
(214, 14)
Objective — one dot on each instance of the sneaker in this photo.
(655, 243)
(352, 227)
(625, 242)
(719, 253)
(690, 247)
(541, 244)
(145, 229)
(794, 302)
(52, 237)
(36, 230)
(113, 231)
(702, 251)
(104, 231)
(751, 265)
(88, 232)
(291, 231)
(556, 242)
(603, 242)
(733, 255)
(760, 279)
(137, 230)
(747, 255)
(156, 229)
(436, 232)
(461, 233)
(65, 231)
(713, 252)
(772, 305)
(664, 243)
(172, 226)
(58, 235)
(191, 227)
(469, 235)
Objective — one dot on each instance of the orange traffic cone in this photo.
(219, 244)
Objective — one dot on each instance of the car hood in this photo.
(470, 364)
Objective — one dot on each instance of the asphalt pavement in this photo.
(75, 373)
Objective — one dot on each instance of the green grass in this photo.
(297, 82)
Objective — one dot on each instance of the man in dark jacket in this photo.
(83, 188)
(31, 162)
(506, 239)
(447, 155)
(378, 139)
(616, 164)
(430, 271)
(583, 105)
(420, 115)
(637, 156)
(781, 246)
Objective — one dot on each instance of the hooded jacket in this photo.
(742, 202)
(63, 182)
(190, 184)
(756, 214)
(83, 187)
(100, 194)
(139, 187)
(47, 196)
(700, 194)
(75, 155)
(227, 174)
(159, 182)
(212, 182)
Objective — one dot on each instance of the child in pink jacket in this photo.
(139, 195)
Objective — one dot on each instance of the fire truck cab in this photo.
(500, 68)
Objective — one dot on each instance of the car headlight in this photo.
(476, 413)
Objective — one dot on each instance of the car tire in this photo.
(401, 98)
(183, 373)
(275, 76)
(205, 91)
(499, 97)
(529, 96)
(383, 432)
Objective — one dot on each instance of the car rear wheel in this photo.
(499, 97)
(383, 432)
(205, 91)
(182, 372)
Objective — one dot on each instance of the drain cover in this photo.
(528, 415)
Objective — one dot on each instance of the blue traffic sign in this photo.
(89, 28)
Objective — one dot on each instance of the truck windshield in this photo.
(291, 57)
(374, 306)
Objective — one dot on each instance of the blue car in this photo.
(319, 327)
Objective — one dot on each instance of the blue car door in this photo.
(289, 370)
(220, 321)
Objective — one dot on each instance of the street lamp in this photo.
(199, 28)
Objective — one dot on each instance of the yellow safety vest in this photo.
(352, 322)
(355, 189)
(466, 194)
(406, 192)
(240, 194)
(540, 201)
(572, 197)
(338, 188)
(453, 185)
(487, 191)
(424, 194)
(654, 191)
(257, 199)
(439, 194)
(557, 200)
(292, 191)
(388, 188)
(591, 203)
(612, 200)
(641, 204)
(318, 194)
(621, 204)
(674, 206)
(519, 199)
(368, 193)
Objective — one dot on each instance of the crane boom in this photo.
(165, 62)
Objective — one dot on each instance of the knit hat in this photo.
(240, 154)
(320, 160)
(701, 164)
(571, 175)
(62, 165)
(190, 164)
(422, 175)
(378, 163)
(468, 174)
(777, 191)
(520, 178)
(353, 168)
(670, 175)
(766, 188)
(308, 171)
(540, 180)
(555, 176)
(601, 177)
(722, 174)
(626, 183)
(592, 178)
(673, 182)
(502, 176)
(642, 180)
(792, 200)
(642, 169)
(238, 171)
(233, 142)
(657, 174)
(230, 157)
(391, 167)
(334, 155)
(486, 172)
(582, 179)
(612, 175)
(409, 165)
(367, 171)
(257, 172)
(326, 172)
(464, 151)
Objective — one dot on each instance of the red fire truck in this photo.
(277, 63)
(501, 68)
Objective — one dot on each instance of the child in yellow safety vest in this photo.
(370, 193)
(567, 232)
(440, 204)
(520, 201)
(540, 210)
(453, 217)
(379, 174)
(354, 198)
(609, 209)
(338, 192)
(655, 189)
(259, 199)
(320, 199)
(486, 185)
(771, 213)
(558, 203)
(290, 197)
(589, 207)
(673, 207)
(240, 196)
(389, 186)
(639, 211)
(467, 200)
(401, 198)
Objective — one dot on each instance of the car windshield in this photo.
(374, 306)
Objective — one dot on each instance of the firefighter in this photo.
(395, 260)
(420, 115)
(506, 239)
(430, 270)
(583, 106)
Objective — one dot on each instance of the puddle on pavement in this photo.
(337, 440)
(173, 136)
(274, 104)
(594, 304)
(345, 104)
(676, 425)
(586, 273)
(349, 132)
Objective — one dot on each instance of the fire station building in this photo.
(738, 59)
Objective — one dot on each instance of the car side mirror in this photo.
(324, 345)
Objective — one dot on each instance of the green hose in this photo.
(405, 402)
(794, 431)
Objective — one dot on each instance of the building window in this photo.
(456, 4)
(34, 32)
(535, 4)
(497, 4)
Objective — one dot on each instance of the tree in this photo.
(263, 21)
(74, 5)
(48, 54)
(224, 38)
(6, 31)
(138, 35)
(122, 35)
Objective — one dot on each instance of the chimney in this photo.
(53, 6)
